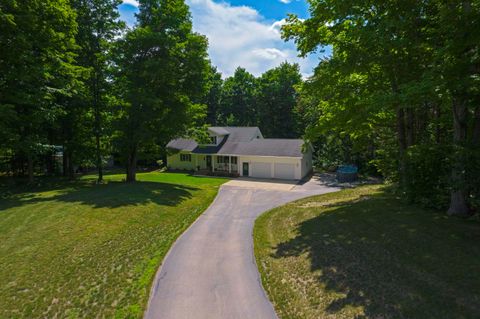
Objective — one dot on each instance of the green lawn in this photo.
(80, 250)
(362, 253)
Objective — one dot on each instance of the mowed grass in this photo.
(362, 253)
(81, 250)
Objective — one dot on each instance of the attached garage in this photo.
(271, 167)
(261, 170)
(284, 171)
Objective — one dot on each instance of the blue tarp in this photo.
(347, 169)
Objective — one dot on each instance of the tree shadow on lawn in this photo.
(394, 260)
(110, 195)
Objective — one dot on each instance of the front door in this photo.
(209, 162)
(245, 169)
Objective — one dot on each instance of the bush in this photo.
(428, 169)
(386, 162)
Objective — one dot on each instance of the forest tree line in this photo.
(75, 79)
(399, 95)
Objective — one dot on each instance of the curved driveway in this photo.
(210, 272)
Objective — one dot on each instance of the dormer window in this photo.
(213, 140)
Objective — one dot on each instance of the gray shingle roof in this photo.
(243, 141)
(182, 144)
(218, 130)
(239, 134)
(265, 147)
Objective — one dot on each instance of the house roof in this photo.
(242, 141)
(237, 133)
(265, 147)
(182, 144)
(218, 130)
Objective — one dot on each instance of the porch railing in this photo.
(223, 167)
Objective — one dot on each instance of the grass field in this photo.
(362, 253)
(81, 250)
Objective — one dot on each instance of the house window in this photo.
(185, 157)
(213, 140)
(234, 160)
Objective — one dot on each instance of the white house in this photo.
(242, 151)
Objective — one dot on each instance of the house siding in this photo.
(302, 166)
(198, 160)
(307, 162)
(201, 161)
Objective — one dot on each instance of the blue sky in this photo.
(243, 32)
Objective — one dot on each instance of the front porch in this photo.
(211, 164)
(225, 164)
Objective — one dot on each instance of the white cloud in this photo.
(270, 53)
(131, 2)
(285, 1)
(240, 36)
(277, 25)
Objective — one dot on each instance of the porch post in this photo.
(213, 163)
(196, 162)
(229, 164)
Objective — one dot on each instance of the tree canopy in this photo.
(37, 69)
(162, 72)
(397, 97)
(403, 69)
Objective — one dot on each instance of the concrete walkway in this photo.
(210, 272)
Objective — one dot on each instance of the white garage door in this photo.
(261, 170)
(284, 171)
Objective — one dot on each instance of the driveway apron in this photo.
(210, 271)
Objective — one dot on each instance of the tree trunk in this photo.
(438, 129)
(132, 166)
(64, 162)
(409, 128)
(50, 163)
(30, 168)
(402, 144)
(96, 106)
(401, 135)
(70, 167)
(99, 159)
(421, 121)
(458, 198)
(476, 128)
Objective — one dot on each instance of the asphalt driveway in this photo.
(210, 272)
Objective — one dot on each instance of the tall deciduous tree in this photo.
(276, 101)
(37, 41)
(407, 58)
(162, 69)
(213, 98)
(98, 25)
(239, 100)
(457, 55)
